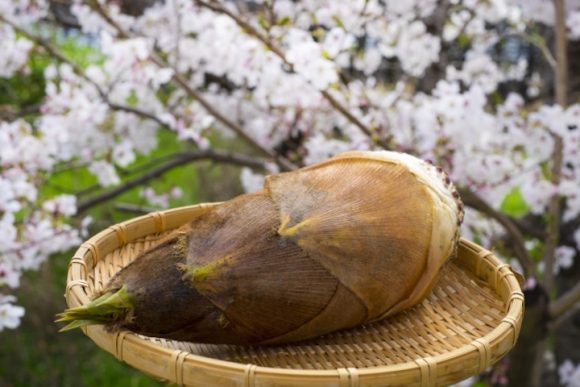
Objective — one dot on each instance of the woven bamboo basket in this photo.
(469, 321)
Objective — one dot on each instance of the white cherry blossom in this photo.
(10, 314)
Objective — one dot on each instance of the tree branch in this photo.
(191, 92)
(472, 200)
(250, 30)
(528, 225)
(49, 48)
(182, 81)
(55, 53)
(561, 47)
(555, 205)
(96, 6)
(8, 113)
(566, 301)
(555, 323)
(131, 208)
(136, 111)
(179, 160)
(127, 172)
(535, 41)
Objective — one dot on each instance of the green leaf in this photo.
(132, 99)
(108, 308)
(514, 204)
(284, 21)
(80, 52)
(463, 40)
(263, 22)
(338, 21)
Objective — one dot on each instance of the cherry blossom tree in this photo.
(479, 87)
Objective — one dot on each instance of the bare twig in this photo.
(252, 31)
(472, 200)
(96, 6)
(528, 225)
(179, 160)
(555, 205)
(556, 322)
(124, 207)
(8, 113)
(136, 111)
(182, 81)
(50, 49)
(128, 172)
(191, 92)
(566, 301)
(148, 164)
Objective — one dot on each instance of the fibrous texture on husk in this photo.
(350, 240)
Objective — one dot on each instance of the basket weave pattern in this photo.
(469, 321)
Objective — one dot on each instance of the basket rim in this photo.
(125, 232)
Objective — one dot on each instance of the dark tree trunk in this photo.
(567, 336)
(526, 359)
(574, 71)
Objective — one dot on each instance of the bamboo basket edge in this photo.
(184, 368)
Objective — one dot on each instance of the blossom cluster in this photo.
(31, 228)
(569, 374)
(9, 314)
(160, 200)
(543, 12)
(280, 78)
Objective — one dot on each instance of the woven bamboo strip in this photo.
(471, 320)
